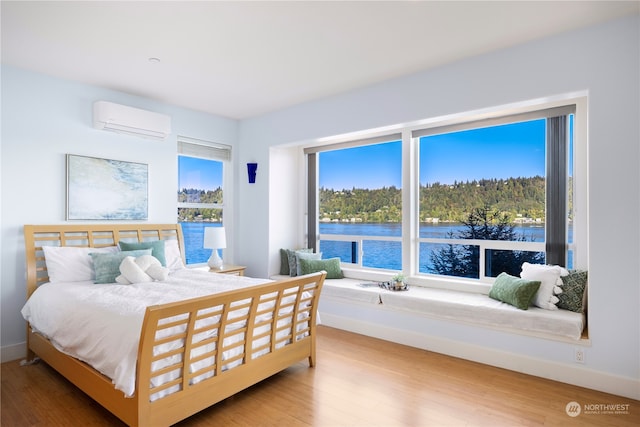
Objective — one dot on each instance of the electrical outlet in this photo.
(579, 355)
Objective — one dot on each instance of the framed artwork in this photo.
(102, 189)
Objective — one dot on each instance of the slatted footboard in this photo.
(198, 352)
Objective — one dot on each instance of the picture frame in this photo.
(105, 189)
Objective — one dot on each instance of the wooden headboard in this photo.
(87, 236)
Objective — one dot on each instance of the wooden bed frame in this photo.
(299, 319)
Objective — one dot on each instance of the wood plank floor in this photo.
(359, 381)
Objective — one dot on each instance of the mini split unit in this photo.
(130, 121)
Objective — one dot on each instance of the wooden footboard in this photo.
(194, 353)
(224, 343)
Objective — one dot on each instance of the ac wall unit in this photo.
(130, 120)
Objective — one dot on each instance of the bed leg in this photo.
(31, 358)
(30, 361)
(312, 357)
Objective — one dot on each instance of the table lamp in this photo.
(214, 239)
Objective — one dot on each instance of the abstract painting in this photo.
(102, 189)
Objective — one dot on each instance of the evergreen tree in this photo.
(463, 260)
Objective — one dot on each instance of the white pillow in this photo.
(549, 277)
(172, 255)
(69, 264)
(143, 269)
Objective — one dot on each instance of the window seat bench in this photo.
(473, 308)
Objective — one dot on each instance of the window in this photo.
(494, 195)
(200, 192)
(479, 197)
(360, 203)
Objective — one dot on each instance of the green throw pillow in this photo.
(573, 291)
(284, 262)
(293, 260)
(107, 266)
(156, 246)
(285, 258)
(514, 290)
(331, 266)
(304, 255)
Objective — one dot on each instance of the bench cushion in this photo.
(472, 308)
(479, 309)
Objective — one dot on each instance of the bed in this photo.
(190, 353)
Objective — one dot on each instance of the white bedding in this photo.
(100, 324)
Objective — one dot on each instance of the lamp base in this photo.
(215, 261)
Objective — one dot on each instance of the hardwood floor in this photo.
(358, 381)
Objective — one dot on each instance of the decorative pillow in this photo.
(69, 264)
(331, 266)
(574, 287)
(284, 259)
(107, 266)
(291, 259)
(549, 277)
(515, 291)
(284, 262)
(172, 255)
(304, 255)
(145, 268)
(156, 246)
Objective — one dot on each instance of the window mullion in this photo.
(410, 210)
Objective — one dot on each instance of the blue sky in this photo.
(514, 150)
(508, 151)
(371, 166)
(199, 173)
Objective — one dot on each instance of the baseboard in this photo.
(13, 352)
(575, 375)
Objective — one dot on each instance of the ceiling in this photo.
(241, 59)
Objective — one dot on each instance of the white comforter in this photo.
(100, 324)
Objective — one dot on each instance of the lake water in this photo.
(193, 234)
(379, 254)
(384, 254)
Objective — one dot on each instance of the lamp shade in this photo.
(215, 238)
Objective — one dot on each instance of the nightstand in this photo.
(236, 270)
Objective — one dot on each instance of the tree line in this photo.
(192, 195)
(513, 197)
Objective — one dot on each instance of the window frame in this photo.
(556, 177)
(207, 150)
(575, 104)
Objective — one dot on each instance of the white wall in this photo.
(43, 119)
(284, 208)
(602, 61)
